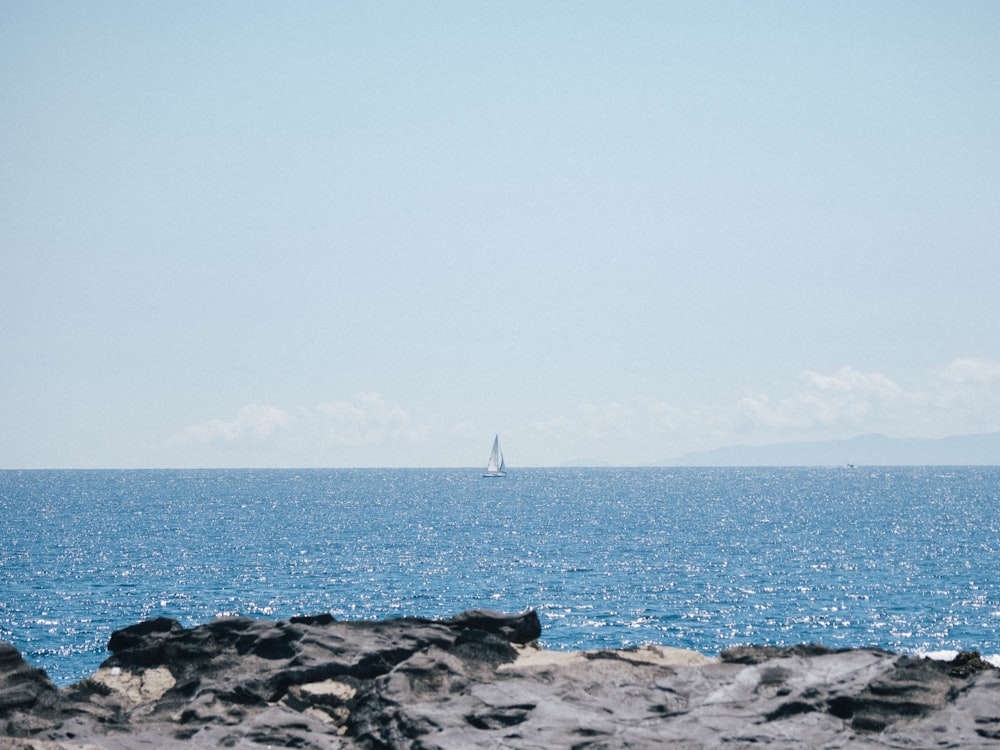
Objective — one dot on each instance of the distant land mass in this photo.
(863, 450)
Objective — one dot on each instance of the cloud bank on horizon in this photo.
(962, 398)
(374, 234)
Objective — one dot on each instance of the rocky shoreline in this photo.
(477, 680)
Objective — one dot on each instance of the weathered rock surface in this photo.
(477, 681)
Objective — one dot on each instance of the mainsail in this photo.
(495, 467)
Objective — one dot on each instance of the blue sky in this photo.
(374, 234)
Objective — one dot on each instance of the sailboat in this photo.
(495, 467)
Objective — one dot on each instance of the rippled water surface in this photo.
(902, 558)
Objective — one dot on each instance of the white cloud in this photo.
(667, 416)
(606, 421)
(849, 380)
(971, 371)
(367, 420)
(622, 431)
(553, 424)
(465, 430)
(366, 429)
(600, 421)
(967, 397)
(252, 422)
(846, 399)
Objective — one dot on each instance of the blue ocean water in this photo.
(901, 558)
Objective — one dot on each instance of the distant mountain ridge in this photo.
(871, 450)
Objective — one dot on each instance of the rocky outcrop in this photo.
(22, 687)
(477, 680)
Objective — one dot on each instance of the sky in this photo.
(315, 234)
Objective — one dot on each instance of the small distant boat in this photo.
(495, 466)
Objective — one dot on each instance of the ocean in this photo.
(900, 558)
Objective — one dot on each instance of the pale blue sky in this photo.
(373, 234)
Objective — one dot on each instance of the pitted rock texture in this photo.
(477, 680)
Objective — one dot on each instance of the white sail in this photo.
(495, 467)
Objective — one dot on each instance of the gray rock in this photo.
(22, 687)
(476, 680)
